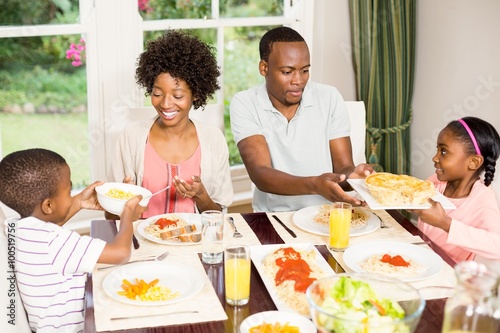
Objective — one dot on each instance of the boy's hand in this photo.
(88, 197)
(132, 210)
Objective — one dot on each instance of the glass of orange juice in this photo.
(237, 274)
(340, 225)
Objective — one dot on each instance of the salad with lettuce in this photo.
(358, 309)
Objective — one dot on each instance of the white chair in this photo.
(357, 115)
(21, 321)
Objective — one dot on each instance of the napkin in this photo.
(205, 302)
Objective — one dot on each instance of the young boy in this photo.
(52, 262)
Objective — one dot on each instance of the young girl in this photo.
(465, 148)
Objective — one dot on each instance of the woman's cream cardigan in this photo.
(128, 158)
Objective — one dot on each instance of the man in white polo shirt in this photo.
(293, 135)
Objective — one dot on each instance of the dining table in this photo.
(215, 315)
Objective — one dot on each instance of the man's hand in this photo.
(361, 171)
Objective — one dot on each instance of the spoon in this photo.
(163, 189)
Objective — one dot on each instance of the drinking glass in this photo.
(237, 274)
(340, 226)
(212, 231)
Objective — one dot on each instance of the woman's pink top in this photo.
(159, 174)
(478, 212)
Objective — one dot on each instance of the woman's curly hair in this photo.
(184, 57)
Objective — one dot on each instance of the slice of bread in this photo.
(172, 233)
(190, 238)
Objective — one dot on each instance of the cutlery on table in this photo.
(159, 258)
(382, 224)
(236, 234)
(152, 315)
(135, 242)
(290, 231)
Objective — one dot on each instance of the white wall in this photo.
(457, 71)
(331, 61)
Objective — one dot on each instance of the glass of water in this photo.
(212, 222)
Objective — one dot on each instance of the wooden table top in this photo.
(260, 300)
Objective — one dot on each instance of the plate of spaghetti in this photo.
(287, 271)
(172, 229)
(315, 219)
(400, 260)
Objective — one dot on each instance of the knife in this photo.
(136, 242)
(290, 231)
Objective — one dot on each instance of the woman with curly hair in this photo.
(179, 72)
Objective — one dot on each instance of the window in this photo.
(46, 101)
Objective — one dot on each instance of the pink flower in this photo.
(75, 53)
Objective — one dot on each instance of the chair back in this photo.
(357, 116)
(16, 315)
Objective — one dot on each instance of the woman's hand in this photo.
(194, 188)
(191, 188)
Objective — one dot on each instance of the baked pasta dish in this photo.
(397, 190)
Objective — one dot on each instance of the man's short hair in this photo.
(279, 34)
(27, 177)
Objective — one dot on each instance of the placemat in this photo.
(205, 302)
(438, 286)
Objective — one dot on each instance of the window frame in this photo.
(113, 31)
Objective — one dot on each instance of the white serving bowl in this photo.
(328, 316)
(114, 205)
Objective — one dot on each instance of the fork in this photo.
(382, 224)
(236, 234)
(159, 258)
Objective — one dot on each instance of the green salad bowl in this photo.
(364, 303)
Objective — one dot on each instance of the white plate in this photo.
(359, 185)
(303, 219)
(356, 254)
(271, 317)
(177, 277)
(259, 252)
(188, 217)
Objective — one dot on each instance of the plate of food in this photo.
(155, 283)
(315, 219)
(285, 285)
(277, 321)
(404, 261)
(172, 229)
(390, 191)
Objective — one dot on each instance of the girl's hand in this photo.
(435, 215)
(88, 197)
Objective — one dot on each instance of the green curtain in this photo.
(383, 45)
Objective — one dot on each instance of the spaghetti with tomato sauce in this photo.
(293, 268)
(292, 271)
(392, 265)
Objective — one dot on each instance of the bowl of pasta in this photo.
(113, 196)
(360, 302)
